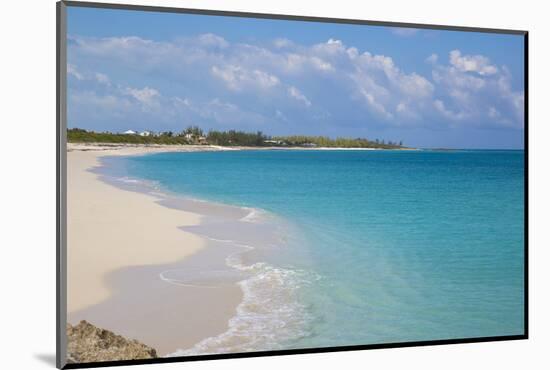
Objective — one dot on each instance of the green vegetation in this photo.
(77, 135)
(195, 135)
(240, 138)
(323, 141)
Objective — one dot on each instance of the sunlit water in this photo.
(363, 246)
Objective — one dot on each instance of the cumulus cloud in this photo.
(387, 89)
(440, 106)
(432, 59)
(282, 43)
(238, 78)
(146, 95)
(474, 87)
(472, 63)
(120, 107)
(212, 79)
(321, 64)
(209, 39)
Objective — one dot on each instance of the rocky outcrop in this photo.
(88, 343)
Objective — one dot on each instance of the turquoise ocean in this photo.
(360, 247)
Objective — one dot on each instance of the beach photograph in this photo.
(241, 185)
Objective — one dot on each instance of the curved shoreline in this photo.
(110, 234)
(214, 296)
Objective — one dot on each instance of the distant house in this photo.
(145, 133)
(188, 136)
(202, 140)
(273, 142)
(129, 132)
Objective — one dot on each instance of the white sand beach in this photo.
(109, 230)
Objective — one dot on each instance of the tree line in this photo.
(340, 142)
(195, 135)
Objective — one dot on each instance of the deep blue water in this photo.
(408, 245)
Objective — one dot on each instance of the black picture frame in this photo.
(61, 211)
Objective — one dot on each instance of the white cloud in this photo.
(214, 110)
(185, 102)
(352, 52)
(414, 85)
(375, 104)
(432, 59)
(321, 65)
(515, 99)
(329, 49)
(145, 96)
(297, 94)
(457, 79)
(387, 89)
(264, 79)
(360, 83)
(102, 78)
(209, 39)
(238, 78)
(440, 106)
(472, 63)
(282, 43)
(72, 71)
(477, 90)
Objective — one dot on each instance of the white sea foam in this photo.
(204, 278)
(270, 314)
(129, 180)
(254, 214)
(150, 187)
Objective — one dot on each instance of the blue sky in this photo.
(161, 71)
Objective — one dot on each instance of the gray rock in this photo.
(88, 343)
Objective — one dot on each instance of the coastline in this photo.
(119, 240)
(207, 266)
(228, 294)
(130, 149)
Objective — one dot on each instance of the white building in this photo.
(129, 132)
(145, 133)
(276, 142)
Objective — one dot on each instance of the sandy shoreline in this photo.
(118, 243)
(128, 149)
(125, 247)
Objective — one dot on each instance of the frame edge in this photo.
(288, 17)
(61, 157)
(61, 194)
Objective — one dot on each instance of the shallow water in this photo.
(356, 247)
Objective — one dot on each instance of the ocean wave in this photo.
(142, 185)
(129, 180)
(254, 215)
(270, 315)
